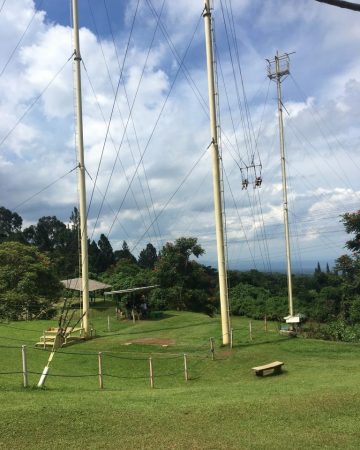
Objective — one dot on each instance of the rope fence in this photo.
(151, 366)
(123, 365)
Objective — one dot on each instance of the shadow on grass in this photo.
(272, 374)
(252, 344)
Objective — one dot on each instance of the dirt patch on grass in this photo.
(223, 354)
(154, 341)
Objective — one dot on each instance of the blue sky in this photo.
(168, 123)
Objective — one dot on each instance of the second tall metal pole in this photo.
(283, 173)
(224, 305)
(81, 174)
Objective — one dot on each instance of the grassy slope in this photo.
(314, 404)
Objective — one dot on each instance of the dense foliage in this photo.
(326, 296)
(28, 286)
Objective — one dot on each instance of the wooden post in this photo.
(101, 380)
(44, 339)
(265, 323)
(250, 330)
(212, 348)
(151, 373)
(133, 315)
(231, 337)
(24, 366)
(109, 323)
(186, 368)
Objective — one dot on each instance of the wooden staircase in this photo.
(56, 337)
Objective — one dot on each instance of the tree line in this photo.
(53, 246)
(325, 296)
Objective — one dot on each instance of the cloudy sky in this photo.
(149, 170)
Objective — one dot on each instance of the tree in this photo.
(173, 265)
(49, 234)
(123, 275)
(106, 254)
(59, 241)
(10, 225)
(318, 268)
(347, 266)
(28, 285)
(71, 251)
(124, 253)
(93, 255)
(147, 257)
(179, 276)
(351, 222)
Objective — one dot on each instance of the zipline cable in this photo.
(157, 228)
(21, 37)
(2, 5)
(32, 104)
(155, 125)
(44, 189)
(109, 122)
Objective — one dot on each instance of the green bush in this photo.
(28, 286)
(340, 331)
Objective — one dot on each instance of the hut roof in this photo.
(75, 284)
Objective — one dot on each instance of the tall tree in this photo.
(318, 268)
(173, 265)
(94, 257)
(60, 241)
(106, 254)
(49, 234)
(10, 225)
(181, 278)
(147, 257)
(124, 253)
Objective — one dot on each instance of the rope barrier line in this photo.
(110, 355)
(49, 374)
(126, 378)
(9, 346)
(200, 363)
(196, 358)
(10, 373)
(15, 339)
(19, 328)
(143, 359)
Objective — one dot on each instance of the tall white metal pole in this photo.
(283, 172)
(81, 173)
(224, 305)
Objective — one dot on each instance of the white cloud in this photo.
(323, 175)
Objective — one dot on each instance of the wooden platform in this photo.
(274, 367)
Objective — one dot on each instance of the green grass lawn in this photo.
(315, 403)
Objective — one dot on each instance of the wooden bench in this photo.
(275, 367)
